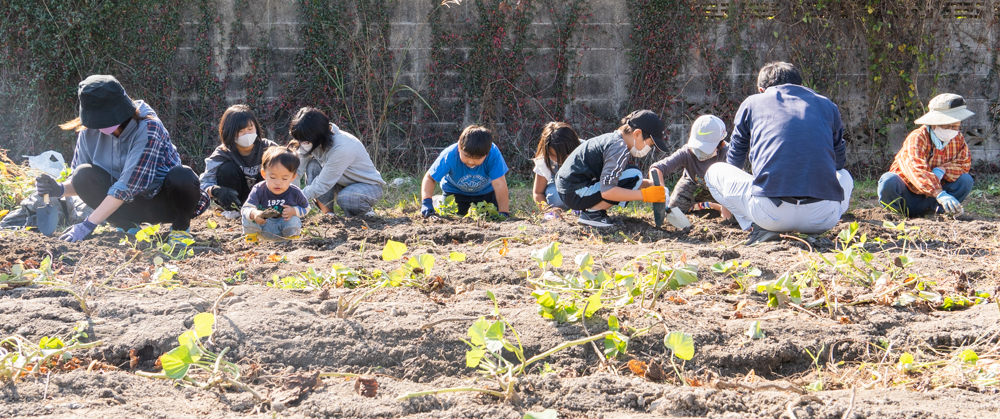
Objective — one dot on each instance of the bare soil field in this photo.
(839, 350)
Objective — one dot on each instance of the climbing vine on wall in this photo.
(494, 71)
(660, 43)
(880, 60)
(49, 47)
(323, 51)
(510, 64)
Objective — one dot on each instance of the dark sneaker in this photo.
(759, 235)
(595, 218)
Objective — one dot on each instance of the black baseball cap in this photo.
(650, 123)
(103, 102)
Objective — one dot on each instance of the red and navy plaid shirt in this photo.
(918, 157)
(158, 156)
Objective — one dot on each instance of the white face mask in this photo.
(945, 135)
(640, 153)
(702, 156)
(246, 140)
(108, 130)
(304, 148)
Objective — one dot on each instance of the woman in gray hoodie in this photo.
(234, 166)
(336, 166)
(125, 167)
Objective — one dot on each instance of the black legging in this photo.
(175, 203)
(230, 175)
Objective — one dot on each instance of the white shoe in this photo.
(232, 215)
(371, 214)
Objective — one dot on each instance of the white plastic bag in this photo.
(50, 162)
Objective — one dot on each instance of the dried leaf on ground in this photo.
(295, 386)
(638, 367)
(655, 373)
(366, 386)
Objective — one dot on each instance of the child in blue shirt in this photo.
(473, 171)
(275, 204)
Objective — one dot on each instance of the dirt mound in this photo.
(411, 339)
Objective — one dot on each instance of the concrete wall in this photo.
(600, 50)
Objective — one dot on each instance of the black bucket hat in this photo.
(103, 102)
(650, 123)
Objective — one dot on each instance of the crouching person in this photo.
(275, 205)
(125, 167)
(472, 170)
(703, 149)
(600, 173)
(793, 137)
(931, 170)
(336, 165)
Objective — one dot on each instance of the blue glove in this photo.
(505, 215)
(427, 208)
(78, 231)
(45, 185)
(939, 172)
(949, 203)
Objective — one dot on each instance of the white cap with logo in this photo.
(706, 133)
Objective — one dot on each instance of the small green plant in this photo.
(545, 414)
(149, 234)
(448, 206)
(754, 331)
(414, 272)
(546, 369)
(236, 278)
(571, 297)
(923, 293)
(484, 211)
(740, 272)
(20, 276)
(616, 343)
(487, 342)
(192, 363)
(681, 345)
(20, 357)
(818, 384)
(781, 291)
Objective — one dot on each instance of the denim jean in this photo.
(895, 195)
(275, 226)
(552, 197)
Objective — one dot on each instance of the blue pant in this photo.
(552, 197)
(275, 226)
(894, 194)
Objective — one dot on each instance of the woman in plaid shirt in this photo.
(125, 167)
(931, 171)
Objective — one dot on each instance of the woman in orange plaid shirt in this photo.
(931, 171)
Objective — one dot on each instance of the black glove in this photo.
(227, 198)
(45, 185)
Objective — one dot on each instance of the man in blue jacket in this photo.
(794, 139)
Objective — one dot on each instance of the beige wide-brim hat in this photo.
(945, 109)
